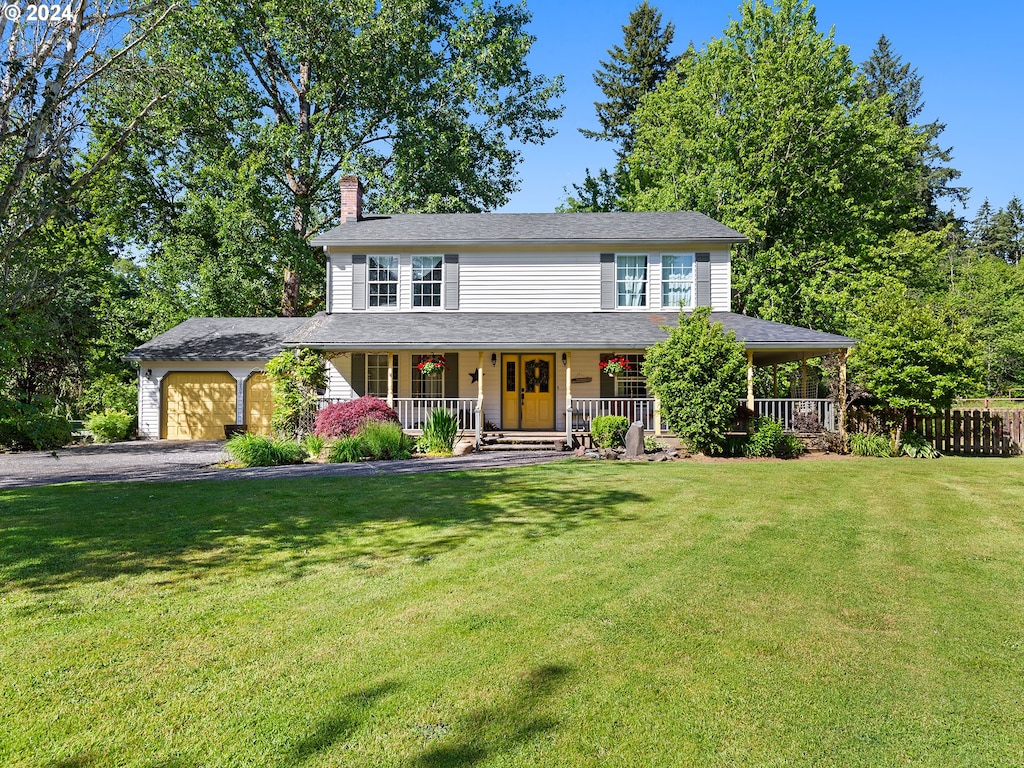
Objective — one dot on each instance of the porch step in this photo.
(525, 442)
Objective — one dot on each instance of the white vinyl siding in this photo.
(721, 285)
(527, 282)
(534, 282)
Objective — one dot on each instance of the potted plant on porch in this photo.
(431, 366)
(615, 366)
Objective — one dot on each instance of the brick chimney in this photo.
(351, 199)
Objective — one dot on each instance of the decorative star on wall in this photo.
(474, 376)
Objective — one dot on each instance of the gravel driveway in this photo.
(165, 460)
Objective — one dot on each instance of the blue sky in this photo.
(968, 54)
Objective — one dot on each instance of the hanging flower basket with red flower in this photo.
(614, 366)
(432, 366)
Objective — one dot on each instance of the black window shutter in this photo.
(359, 282)
(359, 374)
(607, 281)
(451, 374)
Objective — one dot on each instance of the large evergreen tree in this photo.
(765, 131)
(886, 75)
(632, 71)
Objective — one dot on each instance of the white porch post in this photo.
(478, 422)
(568, 399)
(391, 380)
(750, 379)
(657, 416)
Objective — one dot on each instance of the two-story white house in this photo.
(523, 309)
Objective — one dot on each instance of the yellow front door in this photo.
(528, 392)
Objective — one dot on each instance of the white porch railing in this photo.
(798, 415)
(414, 411)
(584, 409)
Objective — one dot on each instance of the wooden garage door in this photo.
(197, 405)
(259, 404)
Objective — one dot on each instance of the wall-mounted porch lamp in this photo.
(494, 359)
(565, 360)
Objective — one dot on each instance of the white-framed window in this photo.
(426, 386)
(631, 280)
(677, 276)
(631, 383)
(426, 281)
(377, 375)
(382, 281)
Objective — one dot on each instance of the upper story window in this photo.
(382, 280)
(426, 281)
(631, 280)
(676, 280)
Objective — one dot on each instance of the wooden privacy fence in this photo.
(969, 432)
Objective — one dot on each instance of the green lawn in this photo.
(844, 613)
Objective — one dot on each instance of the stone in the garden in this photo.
(635, 440)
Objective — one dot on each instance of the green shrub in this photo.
(871, 444)
(260, 451)
(439, 433)
(24, 427)
(313, 445)
(653, 444)
(917, 447)
(346, 449)
(766, 438)
(109, 425)
(609, 431)
(385, 440)
(789, 448)
(698, 373)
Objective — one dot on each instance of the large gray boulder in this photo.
(635, 440)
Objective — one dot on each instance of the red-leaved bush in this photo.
(346, 418)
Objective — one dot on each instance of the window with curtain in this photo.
(382, 281)
(677, 280)
(631, 280)
(426, 281)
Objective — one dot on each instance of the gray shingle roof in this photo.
(220, 338)
(454, 229)
(535, 331)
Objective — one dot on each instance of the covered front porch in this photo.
(541, 372)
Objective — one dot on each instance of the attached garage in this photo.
(258, 403)
(208, 372)
(197, 405)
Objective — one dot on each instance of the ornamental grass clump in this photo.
(345, 450)
(347, 418)
(385, 440)
(439, 433)
(871, 444)
(260, 451)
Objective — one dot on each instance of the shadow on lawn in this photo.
(56, 536)
(501, 726)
